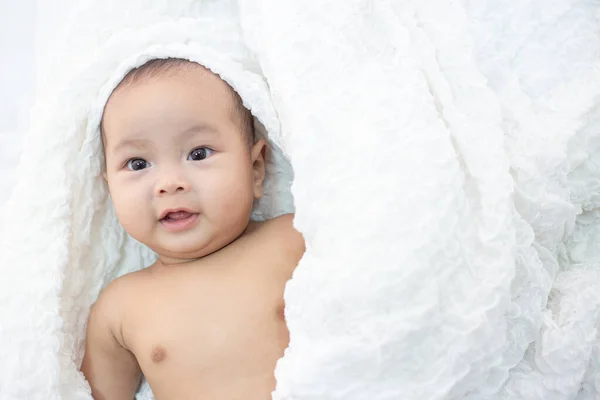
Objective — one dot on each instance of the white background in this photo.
(17, 84)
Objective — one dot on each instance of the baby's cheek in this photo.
(239, 190)
(122, 211)
(130, 210)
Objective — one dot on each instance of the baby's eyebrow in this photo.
(199, 128)
(142, 143)
(133, 142)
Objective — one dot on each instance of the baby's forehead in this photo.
(218, 95)
(179, 85)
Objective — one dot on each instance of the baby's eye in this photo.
(137, 164)
(199, 153)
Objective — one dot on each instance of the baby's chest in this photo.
(210, 328)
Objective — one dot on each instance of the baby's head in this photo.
(177, 137)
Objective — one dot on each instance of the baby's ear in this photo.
(259, 157)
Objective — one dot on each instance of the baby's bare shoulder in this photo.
(116, 298)
(121, 288)
(280, 232)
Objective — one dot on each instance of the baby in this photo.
(183, 169)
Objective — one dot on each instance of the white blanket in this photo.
(446, 161)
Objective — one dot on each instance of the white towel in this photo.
(457, 145)
(446, 181)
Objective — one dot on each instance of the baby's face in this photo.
(174, 143)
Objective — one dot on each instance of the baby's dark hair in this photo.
(162, 66)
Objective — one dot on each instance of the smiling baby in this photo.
(184, 168)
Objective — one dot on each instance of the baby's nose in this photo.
(171, 185)
(171, 189)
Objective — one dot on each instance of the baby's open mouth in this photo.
(178, 221)
(177, 216)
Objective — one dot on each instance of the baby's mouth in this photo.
(177, 216)
(178, 221)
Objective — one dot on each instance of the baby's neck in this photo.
(164, 262)
(170, 261)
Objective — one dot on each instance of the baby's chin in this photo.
(190, 244)
(183, 251)
(191, 248)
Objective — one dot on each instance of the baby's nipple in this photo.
(159, 353)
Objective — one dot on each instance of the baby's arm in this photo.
(111, 370)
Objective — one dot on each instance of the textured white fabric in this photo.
(446, 162)
(17, 83)
(457, 148)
